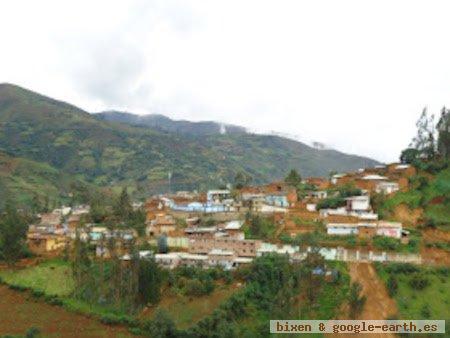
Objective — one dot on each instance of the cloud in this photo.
(352, 74)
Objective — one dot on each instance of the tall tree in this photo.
(356, 301)
(293, 178)
(425, 140)
(13, 230)
(150, 281)
(242, 179)
(443, 128)
(123, 208)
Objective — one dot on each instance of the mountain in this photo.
(104, 153)
(165, 124)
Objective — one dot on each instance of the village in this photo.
(224, 227)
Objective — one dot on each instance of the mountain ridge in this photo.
(114, 154)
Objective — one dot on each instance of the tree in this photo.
(241, 180)
(13, 230)
(137, 221)
(356, 301)
(425, 141)
(123, 208)
(409, 155)
(443, 128)
(293, 178)
(313, 272)
(162, 244)
(392, 286)
(162, 326)
(150, 280)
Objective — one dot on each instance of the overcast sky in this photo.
(352, 74)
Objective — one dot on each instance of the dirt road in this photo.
(378, 305)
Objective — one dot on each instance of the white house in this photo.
(387, 187)
(358, 203)
(342, 229)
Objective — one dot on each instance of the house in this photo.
(387, 188)
(318, 194)
(320, 182)
(358, 203)
(221, 257)
(161, 224)
(41, 243)
(267, 248)
(277, 200)
(81, 209)
(169, 260)
(218, 196)
(233, 229)
(342, 228)
(242, 248)
(369, 182)
(73, 221)
(201, 232)
(338, 178)
(63, 211)
(50, 219)
(366, 229)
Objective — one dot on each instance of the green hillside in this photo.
(72, 142)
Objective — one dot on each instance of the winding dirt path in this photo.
(378, 304)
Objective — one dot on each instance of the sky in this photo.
(354, 75)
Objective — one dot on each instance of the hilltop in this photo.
(109, 153)
(166, 124)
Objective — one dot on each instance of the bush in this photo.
(386, 243)
(419, 281)
(37, 293)
(404, 268)
(331, 203)
(111, 319)
(392, 286)
(17, 287)
(53, 300)
(32, 332)
(425, 311)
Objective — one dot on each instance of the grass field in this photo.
(52, 277)
(433, 301)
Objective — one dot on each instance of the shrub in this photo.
(392, 286)
(32, 332)
(331, 203)
(425, 311)
(110, 319)
(419, 281)
(386, 243)
(37, 293)
(17, 287)
(404, 268)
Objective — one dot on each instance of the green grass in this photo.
(52, 277)
(411, 302)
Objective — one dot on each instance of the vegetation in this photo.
(259, 227)
(52, 277)
(293, 178)
(60, 147)
(356, 301)
(13, 229)
(420, 291)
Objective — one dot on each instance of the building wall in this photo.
(243, 248)
(342, 231)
